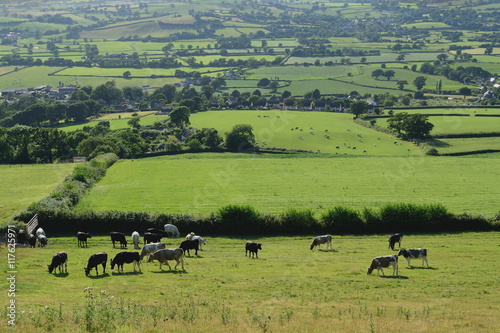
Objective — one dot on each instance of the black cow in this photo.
(150, 237)
(96, 260)
(82, 238)
(190, 245)
(32, 240)
(60, 260)
(21, 237)
(157, 231)
(396, 238)
(126, 257)
(118, 237)
(253, 248)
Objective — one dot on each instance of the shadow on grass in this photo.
(126, 273)
(195, 257)
(98, 276)
(329, 250)
(61, 275)
(169, 272)
(421, 267)
(402, 277)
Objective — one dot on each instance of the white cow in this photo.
(39, 232)
(200, 241)
(190, 236)
(172, 231)
(135, 239)
(151, 248)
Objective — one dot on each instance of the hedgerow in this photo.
(244, 220)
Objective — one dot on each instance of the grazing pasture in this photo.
(447, 146)
(459, 125)
(289, 288)
(306, 130)
(203, 183)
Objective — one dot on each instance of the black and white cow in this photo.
(252, 248)
(42, 241)
(126, 257)
(60, 260)
(396, 238)
(96, 260)
(118, 237)
(414, 254)
(318, 240)
(383, 262)
(82, 238)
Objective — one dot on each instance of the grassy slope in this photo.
(202, 184)
(23, 184)
(289, 288)
(275, 130)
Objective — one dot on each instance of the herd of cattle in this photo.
(153, 249)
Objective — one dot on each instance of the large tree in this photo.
(415, 126)
(358, 107)
(180, 116)
(240, 138)
(465, 91)
(419, 82)
(108, 92)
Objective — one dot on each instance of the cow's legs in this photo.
(395, 269)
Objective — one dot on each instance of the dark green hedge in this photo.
(244, 220)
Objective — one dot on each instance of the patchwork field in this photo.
(25, 184)
(201, 184)
(289, 288)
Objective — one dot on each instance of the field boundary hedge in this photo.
(244, 220)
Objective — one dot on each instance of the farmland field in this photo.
(444, 125)
(22, 185)
(289, 288)
(201, 184)
(317, 131)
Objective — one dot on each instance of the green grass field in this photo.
(444, 125)
(317, 131)
(201, 184)
(289, 288)
(22, 185)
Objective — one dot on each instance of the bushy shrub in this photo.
(294, 221)
(342, 220)
(239, 220)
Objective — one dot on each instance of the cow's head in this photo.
(403, 253)
(50, 268)
(259, 246)
(150, 258)
(112, 263)
(369, 271)
(87, 271)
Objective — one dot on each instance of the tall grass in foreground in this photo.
(289, 288)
